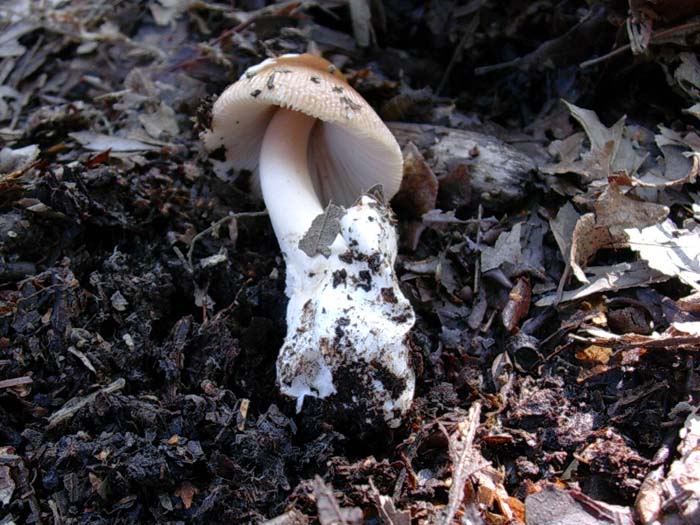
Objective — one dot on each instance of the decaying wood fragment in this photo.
(72, 406)
(499, 173)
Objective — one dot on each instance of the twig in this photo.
(287, 7)
(465, 461)
(72, 406)
(477, 263)
(468, 31)
(15, 381)
(562, 282)
(234, 303)
(598, 60)
(483, 70)
(655, 39)
(218, 224)
(555, 48)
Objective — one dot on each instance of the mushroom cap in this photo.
(350, 148)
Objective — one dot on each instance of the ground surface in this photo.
(137, 380)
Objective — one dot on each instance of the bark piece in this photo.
(499, 173)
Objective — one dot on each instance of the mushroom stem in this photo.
(285, 181)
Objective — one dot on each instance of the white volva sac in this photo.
(348, 320)
(312, 139)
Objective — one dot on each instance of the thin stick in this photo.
(72, 406)
(218, 224)
(468, 31)
(477, 263)
(658, 35)
(15, 381)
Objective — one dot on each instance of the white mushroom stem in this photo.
(286, 184)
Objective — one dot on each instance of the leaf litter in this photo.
(549, 249)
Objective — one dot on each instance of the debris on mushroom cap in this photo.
(347, 325)
(350, 149)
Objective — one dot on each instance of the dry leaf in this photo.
(614, 213)
(639, 29)
(617, 211)
(518, 304)
(588, 237)
(386, 509)
(594, 354)
(687, 75)
(161, 123)
(455, 188)
(673, 252)
(329, 510)
(17, 159)
(100, 142)
(507, 250)
(611, 149)
(186, 492)
(609, 278)
(555, 506)
(563, 226)
(690, 303)
(165, 12)
(439, 218)
(7, 485)
(322, 232)
(672, 339)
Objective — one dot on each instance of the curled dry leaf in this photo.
(518, 304)
(609, 278)
(563, 226)
(639, 29)
(614, 212)
(587, 238)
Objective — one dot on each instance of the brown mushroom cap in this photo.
(350, 149)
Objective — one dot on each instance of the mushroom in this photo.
(312, 140)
